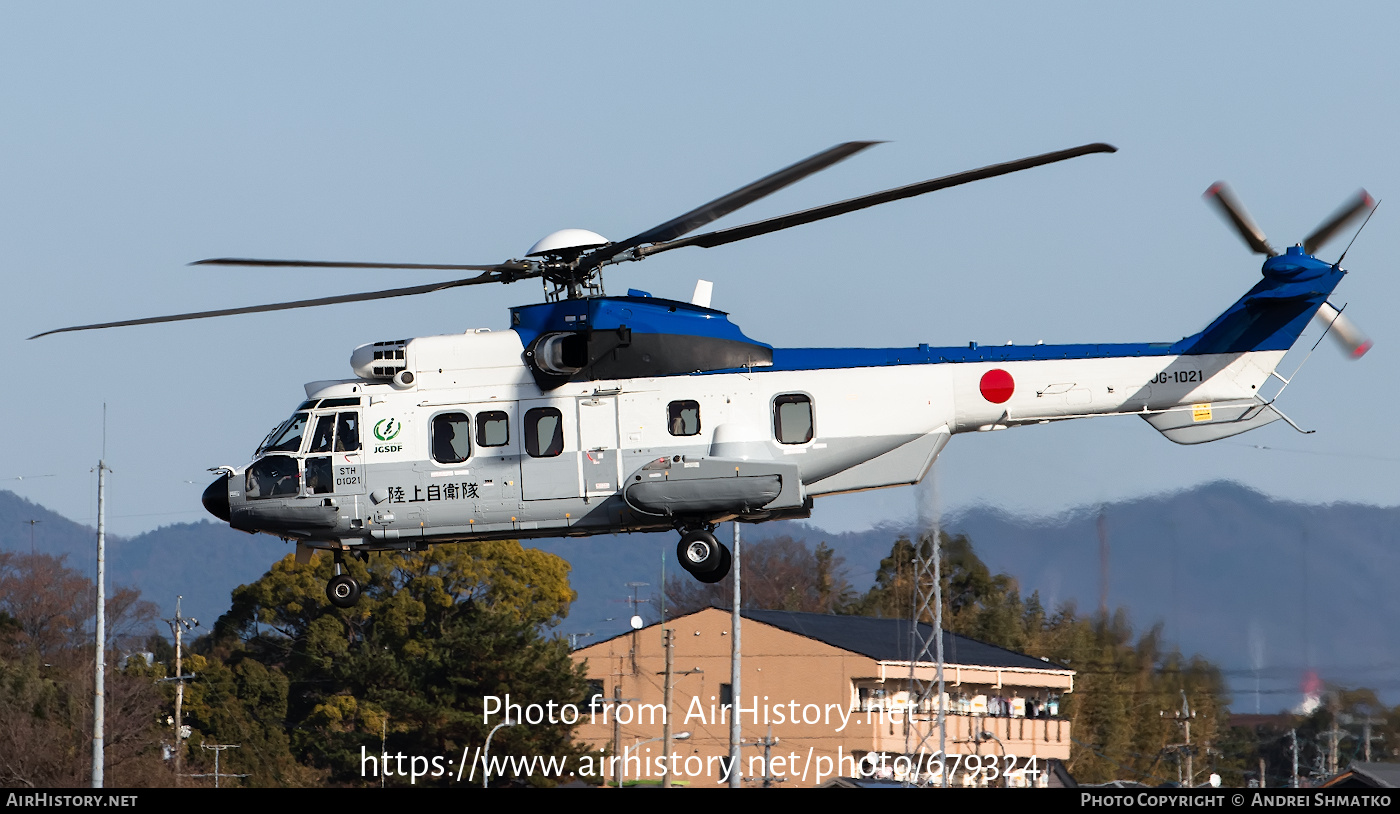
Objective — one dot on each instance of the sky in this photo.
(138, 137)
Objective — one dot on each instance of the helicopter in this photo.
(596, 414)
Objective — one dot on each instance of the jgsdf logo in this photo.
(387, 428)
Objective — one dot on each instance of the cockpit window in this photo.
(288, 439)
(347, 432)
(324, 434)
(273, 476)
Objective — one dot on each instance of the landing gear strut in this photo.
(342, 590)
(704, 557)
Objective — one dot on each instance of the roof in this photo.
(889, 639)
(1367, 775)
(879, 639)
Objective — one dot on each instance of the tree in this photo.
(976, 602)
(779, 573)
(1121, 686)
(434, 634)
(46, 681)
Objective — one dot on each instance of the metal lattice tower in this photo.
(925, 738)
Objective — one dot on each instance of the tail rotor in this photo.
(1352, 340)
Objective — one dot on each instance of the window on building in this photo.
(792, 419)
(596, 698)
(683, 417)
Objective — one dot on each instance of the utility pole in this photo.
(617, 700)
(1366, 724)
(670, 641)
(636, 621)
(1333, 735)
(735, 670)
(1183, 717)
(32, 524)
(1103, 564)
(1293, 733)
(100, 674)
(767, 743)
(617, 729)
(178, 626)
(218, 749)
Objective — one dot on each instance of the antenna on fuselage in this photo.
(1358, 232)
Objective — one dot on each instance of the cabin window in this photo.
(792, 419)
(324, 435)
(544, 432)
(273, 476)
(289, 438)
(347, 432)
(492, 428)
(452, 438)
(683, 417)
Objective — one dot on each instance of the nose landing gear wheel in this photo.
(343, 591)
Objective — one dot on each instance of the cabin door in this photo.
(549, 442)
(598, 455)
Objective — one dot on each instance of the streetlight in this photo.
(985, 736)
(486, 752)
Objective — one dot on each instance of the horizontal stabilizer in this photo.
(1199, 423)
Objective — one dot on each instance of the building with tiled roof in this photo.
(822, 696)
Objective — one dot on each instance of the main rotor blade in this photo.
(1230, 206)
(245, 261)
(489, 277)
(1357, 205)
(763, 227)
(719, 207)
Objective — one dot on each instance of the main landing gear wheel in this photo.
(720, 572)
(704, 557)
(343, 591)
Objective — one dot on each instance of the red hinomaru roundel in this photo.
(997, 386)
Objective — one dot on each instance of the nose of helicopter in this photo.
(215, 499)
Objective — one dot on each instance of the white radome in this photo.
(566, 239)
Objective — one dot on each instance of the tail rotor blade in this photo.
(1358, 205)
(1353, 341)
(1230, 207)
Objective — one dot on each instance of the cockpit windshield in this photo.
(287, 438)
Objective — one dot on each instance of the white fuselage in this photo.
(831, 430)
